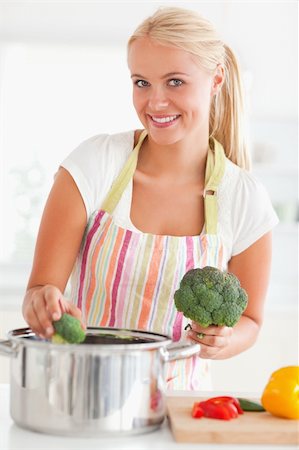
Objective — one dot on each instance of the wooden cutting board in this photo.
(248, 428)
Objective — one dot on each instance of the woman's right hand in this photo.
(44, 304)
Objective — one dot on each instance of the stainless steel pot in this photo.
(113, 382)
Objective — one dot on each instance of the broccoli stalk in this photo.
(68, 330)
(211, 297)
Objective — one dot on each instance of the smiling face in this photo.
(171, 93)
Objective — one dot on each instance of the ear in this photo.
(218, 80)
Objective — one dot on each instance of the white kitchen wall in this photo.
(63, 78)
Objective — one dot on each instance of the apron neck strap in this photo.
(121, 182)
(215, 167)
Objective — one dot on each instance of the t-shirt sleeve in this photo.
(252, 214)
(94, 164)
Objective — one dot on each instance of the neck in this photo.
(182, 160)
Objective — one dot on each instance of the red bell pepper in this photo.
(226, 399)
(224, 408)
(197, 411)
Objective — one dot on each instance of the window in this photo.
(52, 97)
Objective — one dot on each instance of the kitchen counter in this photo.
(13, 437)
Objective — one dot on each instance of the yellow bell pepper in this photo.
(281, 395)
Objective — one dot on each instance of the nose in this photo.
(157, 99)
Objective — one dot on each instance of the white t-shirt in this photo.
(245, 212)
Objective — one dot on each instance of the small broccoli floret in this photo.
(57, 339)
(227, 315)
(68, 330)
(211, 297)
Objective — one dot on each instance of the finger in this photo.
(42, 314)
(214, 341)
(74, 311)
(207, 352)
(208, 340)
(33, 321)
(53, 299)
(212, 330)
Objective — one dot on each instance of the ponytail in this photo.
(227, 114)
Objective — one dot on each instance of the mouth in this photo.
(163, 121)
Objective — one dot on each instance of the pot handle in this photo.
(6, 348)
(179, 350)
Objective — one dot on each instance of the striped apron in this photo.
(127, 279)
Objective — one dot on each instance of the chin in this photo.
(163, 141)
(165, 137)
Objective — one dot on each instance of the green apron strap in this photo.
(121, 182)
(214, 172)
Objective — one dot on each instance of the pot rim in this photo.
(21, 335)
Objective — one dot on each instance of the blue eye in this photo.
(141, 83)
(175, 82)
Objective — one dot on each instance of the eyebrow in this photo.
(167, 75)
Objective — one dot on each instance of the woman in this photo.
(128, 224)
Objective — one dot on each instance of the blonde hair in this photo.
(187, 30)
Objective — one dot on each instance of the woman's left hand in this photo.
(212, 339)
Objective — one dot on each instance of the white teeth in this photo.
(163, 119)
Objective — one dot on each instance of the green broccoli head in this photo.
(211, 297)
(68, 329)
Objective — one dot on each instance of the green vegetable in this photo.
(248, 405)
(68, 330)
(211, 297)
(57, 339)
